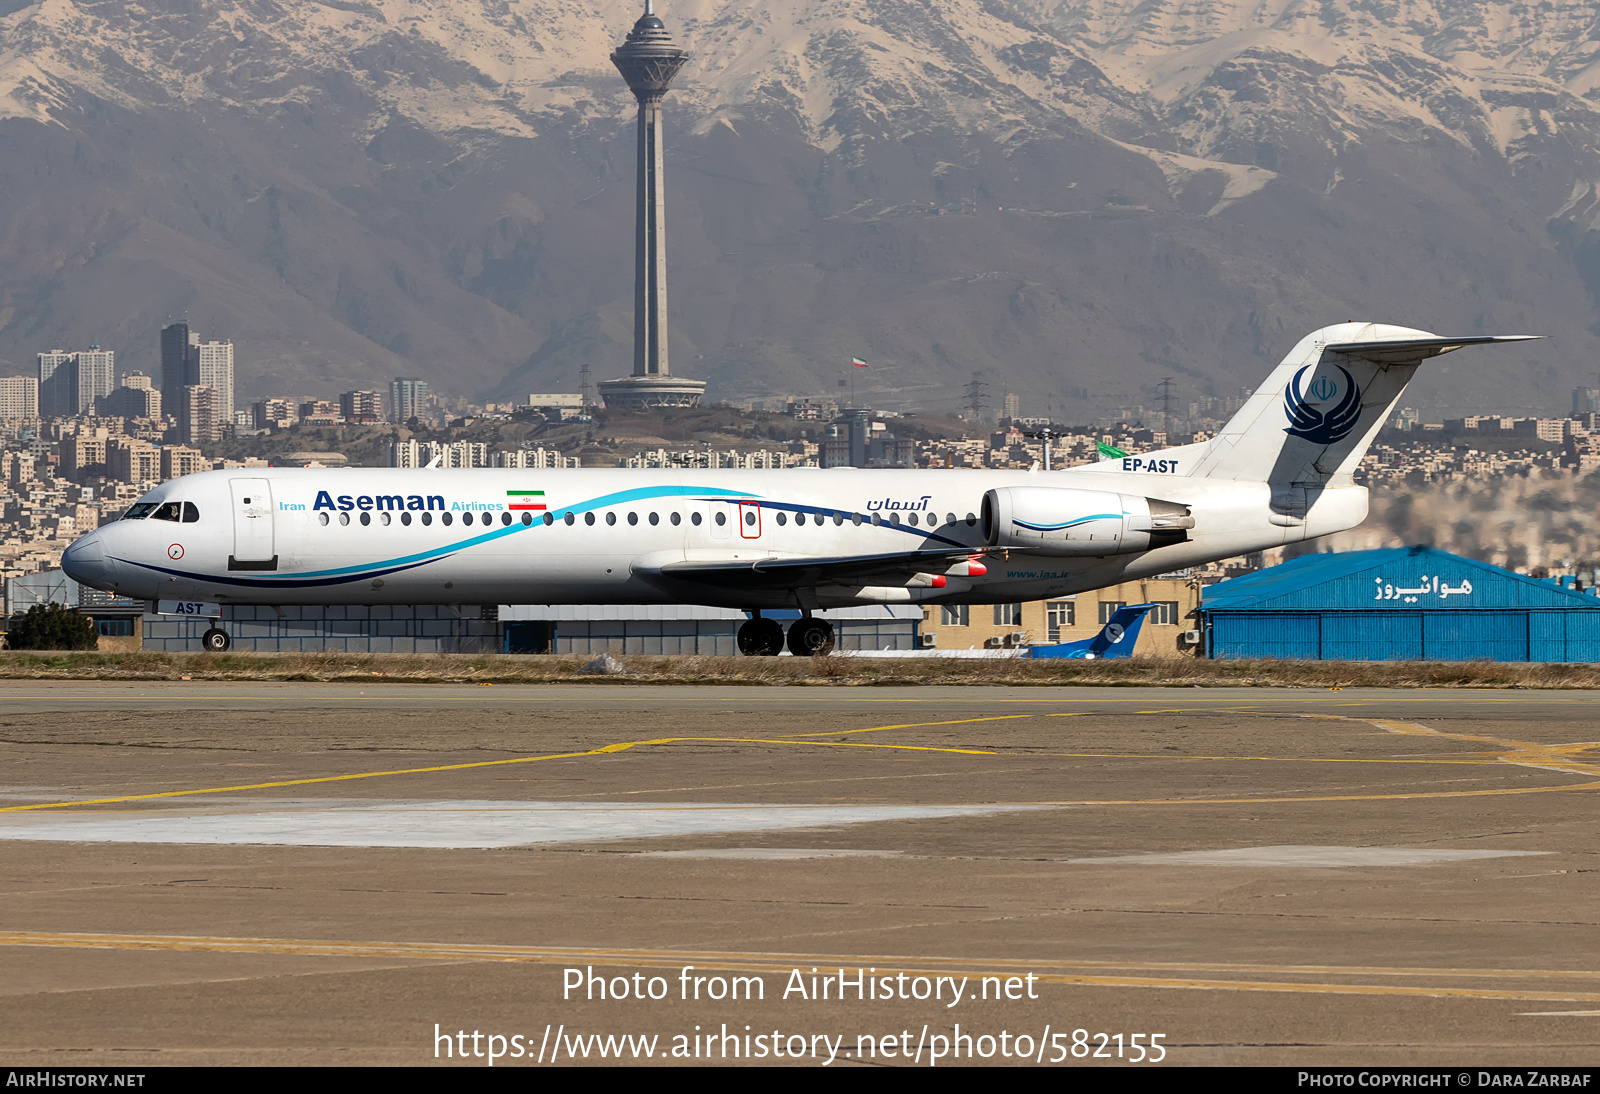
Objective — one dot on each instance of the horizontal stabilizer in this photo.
(1407, 351)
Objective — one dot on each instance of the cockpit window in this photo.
(168, 510)
(139, 511)
(191, 512)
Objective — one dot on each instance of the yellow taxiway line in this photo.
(1046, 971)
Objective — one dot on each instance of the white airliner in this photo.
(1280, 471)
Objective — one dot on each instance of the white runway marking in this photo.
(1305, 856)
(368, 823)
(770, 853)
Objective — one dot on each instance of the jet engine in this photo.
(1050, 520)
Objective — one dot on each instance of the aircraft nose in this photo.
(85, 562)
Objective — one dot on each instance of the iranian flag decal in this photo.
(524, 499)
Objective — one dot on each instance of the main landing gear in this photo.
(810, 637)
(215, 640)
(764, 637)
(761, 637)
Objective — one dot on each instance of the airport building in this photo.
(1170, 631)
(639, 629)
(1400, 604)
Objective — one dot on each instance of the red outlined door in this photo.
(750, 519)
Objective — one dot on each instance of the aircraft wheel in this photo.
(215, 640)
(760, 638)
(811, 638)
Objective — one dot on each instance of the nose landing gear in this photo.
(215, 640)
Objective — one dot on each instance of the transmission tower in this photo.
(586, 390)
(977, 395)
(1166, 405)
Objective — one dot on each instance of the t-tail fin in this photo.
(1313, 419)
(1116, 639)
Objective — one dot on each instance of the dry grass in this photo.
(787, 671)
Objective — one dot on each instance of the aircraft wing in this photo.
(747, 570)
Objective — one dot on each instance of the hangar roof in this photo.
(1393, 579)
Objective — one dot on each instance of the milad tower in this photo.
(648, 61)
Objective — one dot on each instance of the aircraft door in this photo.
(750, 519)
(253, 542)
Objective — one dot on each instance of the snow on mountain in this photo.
(1161, 184)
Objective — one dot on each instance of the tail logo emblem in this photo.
(1322, 426)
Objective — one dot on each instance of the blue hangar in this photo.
(1400, 604)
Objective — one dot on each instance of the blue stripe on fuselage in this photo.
(367, 570)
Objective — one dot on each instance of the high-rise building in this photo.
(408, 398)
(214, 369)
(197, 415)
(1585, 400)
(178, 364)
(130, 401)
(58, 384)
(19, 397)
(648, 61)
(96, 376)
(361, 407)
(69, 383)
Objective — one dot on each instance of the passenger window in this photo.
(405, 518)
(549, 518)
(322, 518)
(366, 519)
(466, 518)
(838, 519)
(588, 518)
(855, 518)
(913, 519)
(694, 519)
(344, 518)
(722, 518)
(971, 520)
(383, 519)
(445, 519)
(505, 518)
(611, 518)
(633, 518)
(172, 510)
(427, 519)
(568, 518)
(782, 520)
(654, 519)
(750, 517)
(894, 519)
(949, 518)
(676, 520)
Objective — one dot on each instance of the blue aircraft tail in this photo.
(1116, 639)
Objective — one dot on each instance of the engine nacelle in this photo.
(1051, 520)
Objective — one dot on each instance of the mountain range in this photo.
(1068, 200)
